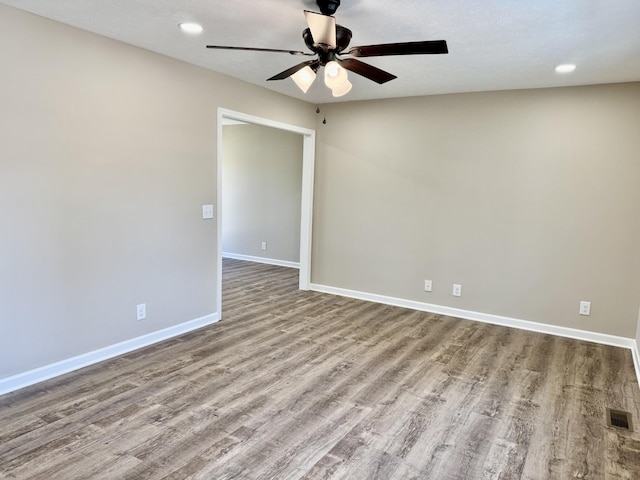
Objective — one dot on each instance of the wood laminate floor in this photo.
(304, 385)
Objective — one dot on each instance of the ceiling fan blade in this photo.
(314, 64)
(254, 49)
(323, 28)
(367, 71)
(407, 48)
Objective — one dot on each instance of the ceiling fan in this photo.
(328, 42)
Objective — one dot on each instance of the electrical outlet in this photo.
(141, 311)
(264, 245)
(585, 308)
(207, 211)
(457, 290)
(428, 285)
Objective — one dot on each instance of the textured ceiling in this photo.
(493, 44)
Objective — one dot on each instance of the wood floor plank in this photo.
(305, 385)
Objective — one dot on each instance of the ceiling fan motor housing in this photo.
(328, 7)
(343, 37)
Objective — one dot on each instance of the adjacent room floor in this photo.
(304, 385)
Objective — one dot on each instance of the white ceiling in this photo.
(493, 44)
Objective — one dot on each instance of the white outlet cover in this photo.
(585, 308)
(428, 285)
(457, 290)
(207, 211)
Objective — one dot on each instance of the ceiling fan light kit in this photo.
(304, 78)
(336, 78)
(342, 89)
(332, 71)
(328, 43)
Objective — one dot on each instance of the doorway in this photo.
(306, 207)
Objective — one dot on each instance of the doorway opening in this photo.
(306, 197)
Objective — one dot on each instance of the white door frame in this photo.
(306, 216)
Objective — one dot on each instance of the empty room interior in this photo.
(207, 274)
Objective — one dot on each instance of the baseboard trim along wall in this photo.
(635, 351)
(31, 377)
(21, 380)
(586, 335)
(269, 261)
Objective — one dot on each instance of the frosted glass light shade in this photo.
(336, 78)
(333, 74)
(304, 78)
(342, 89)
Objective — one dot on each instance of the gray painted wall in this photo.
(261, 192)
(529, 199)
(108, 154)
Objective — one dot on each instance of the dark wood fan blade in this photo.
(254, 49)
(314, 64)
(407, 48)
(367, 71)
(323, 28)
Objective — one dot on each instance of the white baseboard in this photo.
(269, 261)
(635, 351)
(586, 335)
(21, 380)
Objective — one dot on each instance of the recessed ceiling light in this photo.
(188, 27)
(565, 68)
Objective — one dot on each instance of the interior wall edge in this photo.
(636, 348)
(576, 334)
(635, 352)
(46, 372)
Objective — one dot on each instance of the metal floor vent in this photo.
(619, 419)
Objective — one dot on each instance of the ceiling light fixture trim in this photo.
(191, 28)
(565, 68)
